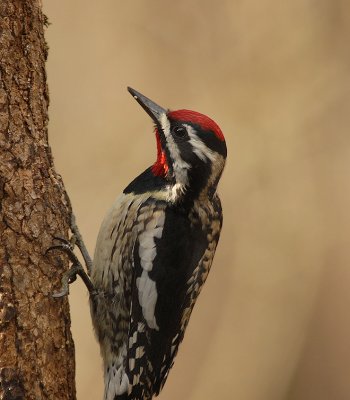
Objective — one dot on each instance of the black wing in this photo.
(184, 254)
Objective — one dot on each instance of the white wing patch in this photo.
(147, 298)
(147, 290)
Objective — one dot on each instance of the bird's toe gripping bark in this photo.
(76, 268)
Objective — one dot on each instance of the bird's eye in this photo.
(179, 131)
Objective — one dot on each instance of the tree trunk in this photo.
(36, 347)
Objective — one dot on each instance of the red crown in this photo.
(202, 120)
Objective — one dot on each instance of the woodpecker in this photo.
(154, 251)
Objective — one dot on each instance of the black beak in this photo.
(151, 108)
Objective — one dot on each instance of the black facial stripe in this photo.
(208, 137)
(186, 151)
(212, 142)
(199, 175)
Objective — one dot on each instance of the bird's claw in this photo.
(76, 269)
(67, 247)
(70, 243)
(69, 277)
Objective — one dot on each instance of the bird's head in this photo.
(191, 148)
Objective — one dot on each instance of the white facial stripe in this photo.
(199, 148)
(179, 165)
(165, 124)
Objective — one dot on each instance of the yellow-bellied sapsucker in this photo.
(154, 251)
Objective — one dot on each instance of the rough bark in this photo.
(36, 347)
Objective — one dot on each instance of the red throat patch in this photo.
(160, 167)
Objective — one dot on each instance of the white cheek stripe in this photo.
(180, 166)
(199, 148)
(147, 290)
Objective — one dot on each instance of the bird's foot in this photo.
(76, 268)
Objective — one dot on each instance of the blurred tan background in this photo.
(273, 321)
